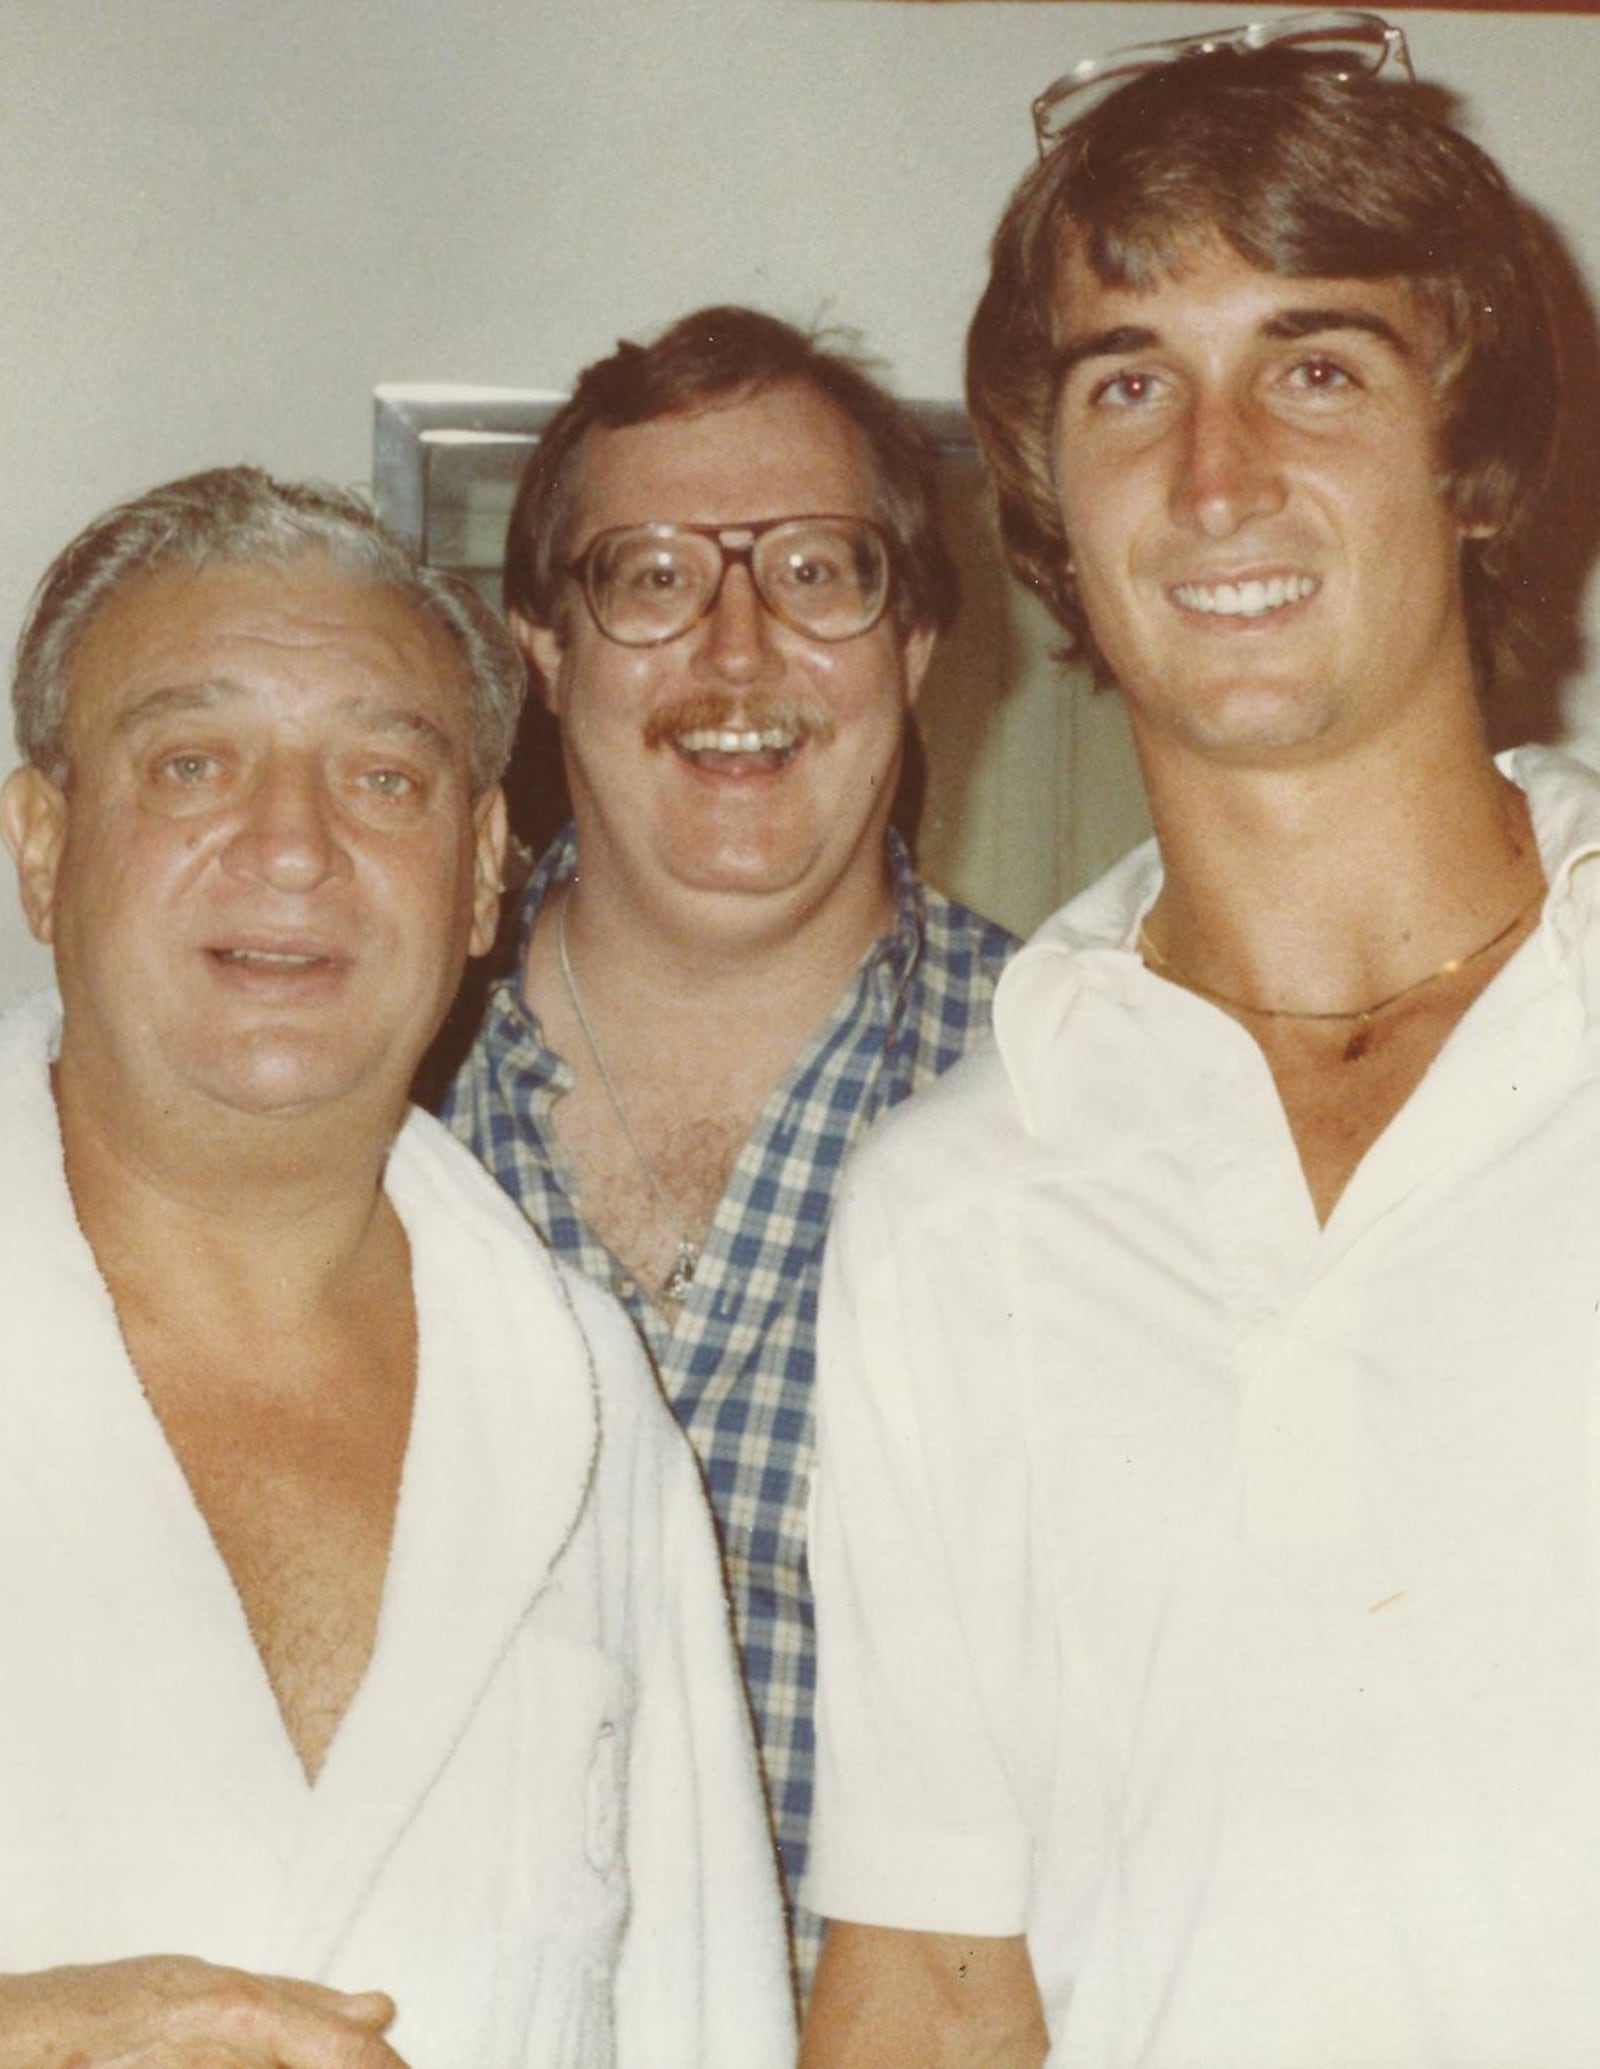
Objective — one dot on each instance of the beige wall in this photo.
(224, 223)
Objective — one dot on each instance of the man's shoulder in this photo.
(960, 952)
(946, 1010)
(430, 1156)
(961, 930)
(977, 1125)
(431, 1174)
(963, 1125)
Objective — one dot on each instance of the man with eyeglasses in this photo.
(725, 570)
(1205, 1533)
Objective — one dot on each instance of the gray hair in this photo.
(241, 515)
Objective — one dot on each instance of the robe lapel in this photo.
(140, 1579)
(502, 1447)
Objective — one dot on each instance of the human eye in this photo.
(175, 779)
(1319, 373)
(390, 783)
(189, 769)
(1128, 388)
(814, 557)
(386, 788)
(659, 577)
(648, 568)
(811, 567)
(184, 776)
(652, 589)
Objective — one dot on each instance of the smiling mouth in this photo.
(273, 961)
(759, 748)
(1252, 598)
(726, 736)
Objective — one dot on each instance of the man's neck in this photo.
(677, 1018)
(187, 1198)
(1332, 885)
(702, 952)
(1347, 917)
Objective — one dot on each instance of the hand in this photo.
(170, 2012)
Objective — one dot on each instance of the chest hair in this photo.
(297, 1481)
(690, 1153)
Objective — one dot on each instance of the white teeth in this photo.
(1251, 599)
(730, 740)
(276, 959)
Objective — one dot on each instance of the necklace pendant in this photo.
(675, 1286)
(1359, 1042)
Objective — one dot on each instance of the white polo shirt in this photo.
(1210, 1595)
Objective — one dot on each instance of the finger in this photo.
(370, 2008)
(373, 2009)
(342, 2031)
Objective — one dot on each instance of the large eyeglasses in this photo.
(825, 577)
(1360, 42)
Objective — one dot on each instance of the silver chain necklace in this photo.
(675, 1287)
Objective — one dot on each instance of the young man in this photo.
(725, 570)
(1205, 1538)
(369, 1695)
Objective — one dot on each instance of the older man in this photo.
(369, 1694)
(725, 570)
(1207, 1509)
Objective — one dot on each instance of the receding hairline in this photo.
(180, 567)
(747, 393)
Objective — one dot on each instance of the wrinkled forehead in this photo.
(332, 634)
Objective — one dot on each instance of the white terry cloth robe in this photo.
(539, 1827)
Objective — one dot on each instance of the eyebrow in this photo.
(167, 703)
(1124, 338)
(182, 698)
(1308, 323)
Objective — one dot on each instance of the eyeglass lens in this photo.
(1361, 42)
(825, 577)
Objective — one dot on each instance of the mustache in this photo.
(715, 711)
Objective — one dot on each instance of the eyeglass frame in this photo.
(734, 556)
(1334, 29)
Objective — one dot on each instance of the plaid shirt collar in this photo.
(750, 1253)
(899, 948)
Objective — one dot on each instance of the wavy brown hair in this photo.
(1304, 173)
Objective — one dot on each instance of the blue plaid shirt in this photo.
(736, 1360)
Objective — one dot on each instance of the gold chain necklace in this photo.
(1363, 1016)
(674, 1289)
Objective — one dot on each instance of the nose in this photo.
(1229, 470)
(287, 830)
(739, 645)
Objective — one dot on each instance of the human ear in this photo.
(1476, 500)
(918, 652)
(33, 823)
(542, 648)
(488, 869)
